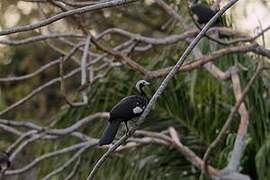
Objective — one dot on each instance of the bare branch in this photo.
(74, 170)
(78, 124)
(49, 155)
(38, 38)
(62, 15)
(44, 67)
(10, 129)
(84, 70)
(230, 117)
(19, 140)
(66, 164)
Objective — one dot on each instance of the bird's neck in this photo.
(142, 92)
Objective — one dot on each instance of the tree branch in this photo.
(62, 15)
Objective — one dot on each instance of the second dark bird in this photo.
(4, 161)
(127, 109)
(203, 13)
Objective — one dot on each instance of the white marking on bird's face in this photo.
(137, 110)
(141, 82)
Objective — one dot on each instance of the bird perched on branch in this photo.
(203, 13)
(127, 109)
(4, 161)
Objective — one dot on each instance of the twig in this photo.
(202, 60)
(74, 170)
(84, 69)
(80, 4)
(19, 140)
(49, 155)
(78, 124)
(66, 164)
(62, 82)
(38, 38)
(25, 143)
(250, 39)
(44, 67)
(105, 156)
(10, 129)
(170, 39)
(171, 12)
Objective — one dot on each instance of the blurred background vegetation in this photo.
(195, 103)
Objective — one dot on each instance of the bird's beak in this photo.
(147, 83)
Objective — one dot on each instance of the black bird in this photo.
(203, 13)
(4, 161)
(128, 108)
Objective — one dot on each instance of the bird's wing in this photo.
(129, 107)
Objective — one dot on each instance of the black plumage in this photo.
(4, 161)
(202, 13)
(127, 109)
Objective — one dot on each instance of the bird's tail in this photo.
(109, 133)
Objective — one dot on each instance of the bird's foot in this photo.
(127, 129)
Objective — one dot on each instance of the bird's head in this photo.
(140, 84)
(192, 3)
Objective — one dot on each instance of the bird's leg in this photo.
(136, 124)
(126, 127)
